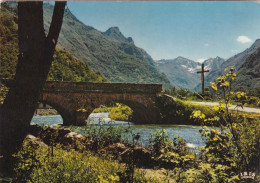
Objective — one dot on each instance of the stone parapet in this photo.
(102, 87)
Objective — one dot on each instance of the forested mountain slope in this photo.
(64, 67)
(248, 75)
(115, 56)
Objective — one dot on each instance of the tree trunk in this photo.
(34, 61)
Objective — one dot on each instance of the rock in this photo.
(48, 135)
(73, 135)
(116, 149)
(30, 137)
(35, 130)
(61, 132)
(141, 156)
(35, 140)
(71, 138)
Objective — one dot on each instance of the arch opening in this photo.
(140, 114)
(48, 114)
(112, 111)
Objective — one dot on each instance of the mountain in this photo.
(248, 75)
(237, 61)
(180, 71)
(214, 66)
(64, 66)
(114, 34)
(111, 53)
(183, 72)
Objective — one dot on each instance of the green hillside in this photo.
(8, 40)
(115, 56)
(64, 67)
(67, 68)
(237, 61)
(248, 75)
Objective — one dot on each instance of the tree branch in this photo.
(56, 23)
(52, 37)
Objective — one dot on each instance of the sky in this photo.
(196, 30)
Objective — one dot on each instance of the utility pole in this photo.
(202, 77)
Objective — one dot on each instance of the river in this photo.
(189, 133)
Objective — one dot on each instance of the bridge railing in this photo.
(103, 87)
(96, 87)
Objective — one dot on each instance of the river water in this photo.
(189, 133)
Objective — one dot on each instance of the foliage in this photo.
(178, 111)
(234, 147)
(186, 94)
(117, 111)
(102, 135)
(102, 108)
(35, 164)
(64, 67)
(170, 153)
(121, 112)
(206, 173)
(248, 73)
(8, 40)
(3, 93)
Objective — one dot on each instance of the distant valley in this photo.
(182, 72)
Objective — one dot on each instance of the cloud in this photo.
(234, 51)
(206, 44)
(201, 60)
(244, 39)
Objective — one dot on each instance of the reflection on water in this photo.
(189, 133)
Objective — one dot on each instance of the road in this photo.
(234, 107)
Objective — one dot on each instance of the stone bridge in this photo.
(76, 100)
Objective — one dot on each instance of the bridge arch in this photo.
(76, 101)
(60, 108)
(141, 113)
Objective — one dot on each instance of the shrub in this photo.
(178, 111)
(170, 153)
(121, 112)
(102, 135)
(234, 148)
(35, 164)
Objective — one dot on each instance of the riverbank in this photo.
(72, 157)
(188, 132)
(45, 112)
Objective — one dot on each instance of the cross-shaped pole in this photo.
(202, 77)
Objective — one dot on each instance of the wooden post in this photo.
(202, 77)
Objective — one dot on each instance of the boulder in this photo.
(35, 130)
(142, 156)
(116, 149)
(35, 140)
(61, 133)
(73, 135)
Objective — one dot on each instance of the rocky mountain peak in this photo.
(113, 30)
(114, 34)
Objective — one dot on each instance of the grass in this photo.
(35, 163)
